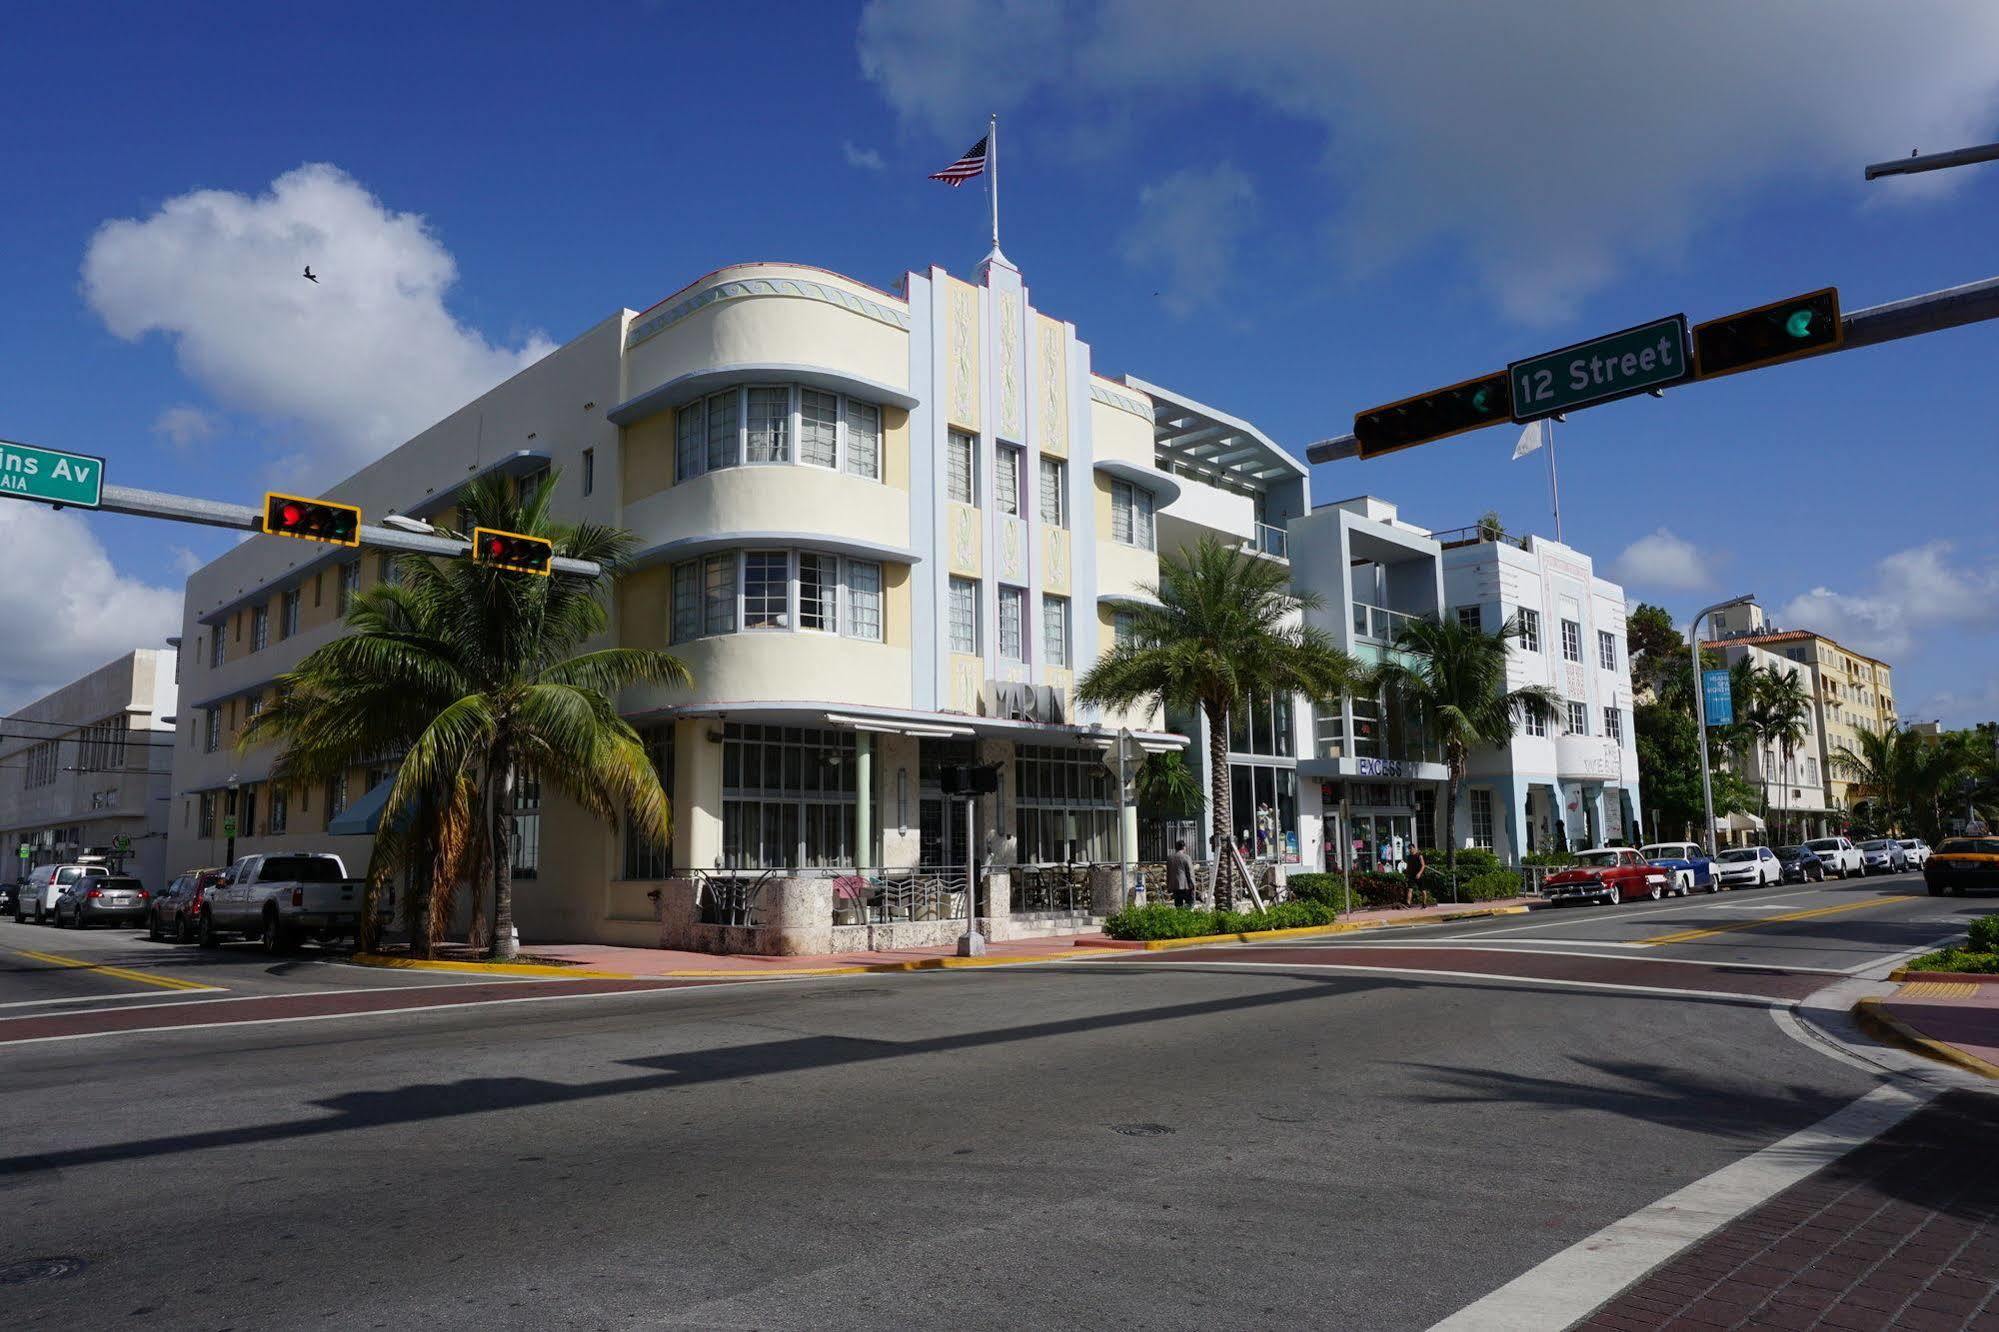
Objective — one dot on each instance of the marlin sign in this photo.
(28, 472)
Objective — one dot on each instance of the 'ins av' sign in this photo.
(27, 472)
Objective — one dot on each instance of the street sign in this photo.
(121, 843)
(1716, 695)
(1603, 369)
(28, 472)
(1124, 755)
(229, 826)
(22, 851)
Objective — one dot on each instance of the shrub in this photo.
(1962, 961)
(1317, 887)
(1159, 922)
(1283, 916)
(1471, 860)
(1549, 858)
(1984, 935)
(1489, 887)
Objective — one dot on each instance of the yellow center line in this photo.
(1688, 936)
(120, 973)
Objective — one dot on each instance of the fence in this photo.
(875, 896)
(1041, 888)
(729, 897)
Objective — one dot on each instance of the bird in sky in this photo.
(308, 274)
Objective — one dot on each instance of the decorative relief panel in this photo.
(1054, 379)
(964, 355)
(964, 525)
(1010, 395)
(1055, 559)
(1012, 551)
(1111, 397)
(964, 683)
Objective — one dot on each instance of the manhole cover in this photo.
(39, 1269)
(1142, 1130)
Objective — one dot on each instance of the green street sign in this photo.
(28, 472)
(23, 850)
(229, 826)
(1603, 369)
(121, 843)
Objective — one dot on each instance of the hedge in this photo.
(1170, 922)
(1979, 956)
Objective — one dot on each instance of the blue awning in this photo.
(364, 817)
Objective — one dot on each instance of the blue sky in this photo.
(1291, 210)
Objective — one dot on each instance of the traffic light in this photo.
(1780, 331)
(312, 520)
(512, 551)
(1484, 401)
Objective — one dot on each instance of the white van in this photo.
(45, 883)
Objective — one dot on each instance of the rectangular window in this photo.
(718, 593)
(724, 443)
(589, 471)
(336, 798)
(317, 590)
(1469, 617)
(964, 615)
(644, 858)
(1481, 818)
(386, 570)
(819, 592)
(1530, 629)
(1812, 772)
(1578, 719)
(864, 439)
(1124, 627)
(216, 649)
(350, 586)
(280, 811)
(211, 735)
(1613, 724)
(1065, 803)
(788, 797)
(1572, 641)
(864, 599)
(961, 468)
(205, 824)
(527, 825)
(770, 425)
(686, 601)
(766, 589)
(1606, 649)
(1055, 630)
(1006, 479)
(1131, 515)
(288, 614)
(1054, 491)
(690, 442)
(260, 628)
(818, 428)
(1012, 607)
(1537, 720)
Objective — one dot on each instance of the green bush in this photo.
(1984, 935)
(1159, 922)
(1471, 860)
(1489, 887)
(1959, 960)
(1314, 886)
(1283, 916)
(1549, 858)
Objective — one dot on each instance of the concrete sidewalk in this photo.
(1948, 1018)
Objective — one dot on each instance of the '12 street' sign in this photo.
(1616, 365)
(27, 472)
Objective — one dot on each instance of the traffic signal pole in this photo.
(1932, 312)
(244, 518)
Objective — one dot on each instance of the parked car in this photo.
(1963, 863)
(1800, 864)
(282, 899)
(1917, 850)
(45, 884)
(1688, 864)
(9, 894)
(1607, 874)
(110, 899)
(175, 911)
(1883, 855)
(1840, 855)
(1748, 867)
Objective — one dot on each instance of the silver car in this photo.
(1883, 855)
(111, 900)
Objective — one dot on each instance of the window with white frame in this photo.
(1572, 641)
(759, 589)
(818, 428)
(1811, 772)
(864, 439)
(1606, 649)
(819, 592)
(769, 419)
(864, 599)
(686, 615)
(1613, 724)
(1578, 718)
(1530, 629)
(1481, 817)
(725, 441)
(217, 648)
(961, 468)
(1536, 721)
(527, 825)
(1054, 491)
(288, 613)
(964, 615)
(211, 729)
(788, 797)
(350, 586)
(1012, 610)
(260, 628)
(1006, 478)
(718, 594)
(766, 589)
(1054, 630)
(1131, 515)
(1124, 627)
(1469, 618)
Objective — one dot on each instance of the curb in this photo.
(1973, 977)
(1257, 936)
(482, 968)
(579, 973)
(1885, 1026)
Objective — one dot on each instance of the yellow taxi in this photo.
(1962, 863)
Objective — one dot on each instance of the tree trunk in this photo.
(504, 947)
(1457, 760)
(1221, 833)
(422, 944)
(478, 935)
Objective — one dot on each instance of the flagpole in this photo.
(992, 174)
(1554, 481)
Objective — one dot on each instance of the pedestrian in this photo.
(1418, 867)
(1180, 875)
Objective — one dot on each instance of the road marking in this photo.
(152, 1000)
(1539, 949)
(1624, 913)
(1722, 996)
(121, 973)
(1813, 913)
(1569, 1285)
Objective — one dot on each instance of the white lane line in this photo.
(1623, 913)
(1537, 949)
(1575, 1281)
(1724, 996)
(159, 1002)
(1889, 961)
(154, 995)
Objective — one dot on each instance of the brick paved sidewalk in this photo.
(1901, 1233)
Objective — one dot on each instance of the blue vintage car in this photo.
(1689, 864)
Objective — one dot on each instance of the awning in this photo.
(364, 816)
(1742, 823)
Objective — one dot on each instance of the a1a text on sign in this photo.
(1616, 365)
(28, 472)
(1716, 695)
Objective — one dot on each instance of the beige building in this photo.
(1792, 788)
(1855, 691)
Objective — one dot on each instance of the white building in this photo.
(91, 764)
(1791, 786)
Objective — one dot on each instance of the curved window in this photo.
(774, 591)
(777, 424)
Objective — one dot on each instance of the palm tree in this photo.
(1786, 707)
(473, 674)
(1452, 677)
(1226, 630)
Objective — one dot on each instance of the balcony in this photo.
(1370, 753)
(1378, 624)
(1270, 540)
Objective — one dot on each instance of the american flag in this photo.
(973, 163)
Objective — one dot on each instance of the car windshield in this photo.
(1824, 844)
(1670, 851)
(1972, 846)
(1738, 853)
(1877, 844)
(1791, 852)
(1599, 858)
(303, 869)
(1911, 843)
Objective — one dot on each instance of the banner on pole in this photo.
(1715, 694)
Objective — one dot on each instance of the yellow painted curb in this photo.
(120, 973)
(1887, 1027)
(483, 968)
(1256, 936)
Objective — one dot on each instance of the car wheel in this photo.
(1658, 891)
(182, 932)
(208, 937)
(153, 932)
(276, 939)
(1936, 889)
(1683, 883)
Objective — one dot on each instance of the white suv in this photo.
(37, 897)
(1840, 855)
(1917, 850)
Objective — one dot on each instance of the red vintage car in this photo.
(1607, 874)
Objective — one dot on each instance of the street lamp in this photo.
(1700, 711)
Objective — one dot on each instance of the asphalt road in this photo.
(1248, 1137)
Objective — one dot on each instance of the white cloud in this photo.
(360, 360)
(1191, 225)
(1664, 562)
(184, 560)
(67, 609)
(183, 426)
(867, 159)
(1556, 144)
(1908, 592)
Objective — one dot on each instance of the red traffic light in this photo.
(515, 552)
(312, 520)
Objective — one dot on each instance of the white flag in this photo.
(1532, 438)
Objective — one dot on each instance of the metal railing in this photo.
(1471, 536)
(1272, 540)
(882, 896)
(1380, 623)
(729, 897)
(1043, 888)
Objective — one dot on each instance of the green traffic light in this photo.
(1481, 401)
(1799, 323)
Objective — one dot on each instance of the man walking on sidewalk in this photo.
(1180, 875)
